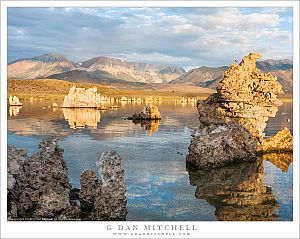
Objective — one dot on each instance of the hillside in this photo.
(272, 65)
(201, 76)
(39, 67)
(285, 77)
(82, 76)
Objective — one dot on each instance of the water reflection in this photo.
(82, 117)
(237, 192)
(14, 110)
(155, 193)
(149, 125)
(280, 160)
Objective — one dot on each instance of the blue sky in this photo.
(187, 37)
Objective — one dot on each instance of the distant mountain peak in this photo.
(270, 65)
(39, 66)
(285, 61)
(47, 58)
(50, 58)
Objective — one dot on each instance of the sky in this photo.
(185, 37)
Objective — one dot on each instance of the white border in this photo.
(98, 229)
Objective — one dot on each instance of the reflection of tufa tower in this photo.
(14, 110)
(238, 192)
(82, 117)
(280, 160)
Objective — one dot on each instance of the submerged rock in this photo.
(39, 187)
(232, 121)
(14, 101)
(82, 98)
(149, 113)
(237, 192)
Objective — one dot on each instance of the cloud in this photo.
(16, 32)
(155, 57)
(172, 36)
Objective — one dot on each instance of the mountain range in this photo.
(211, 76)
(111, 70)
(94, 70)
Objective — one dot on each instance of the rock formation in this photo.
(149, 113)
(248, 96)
(14, 101)
(82, 98)
(237, 192)
(280, 142)
(104, 197)
(232, 121)
(219, 142)
(82, 117)
(38, 187)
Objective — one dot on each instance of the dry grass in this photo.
(57, 89)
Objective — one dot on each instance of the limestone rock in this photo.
(15, 169)
(219, 142)
(39, 182)
(82, 98)
(54, 105)
(14, 101)
(248, 96)
(114, 201)
(237, 192)
(104, 197)
(281, 142)
(149, 113)
(39, 187)
(232, 121)
(90, 189)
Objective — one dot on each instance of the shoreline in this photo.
(43, 88)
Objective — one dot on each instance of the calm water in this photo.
(158, 185)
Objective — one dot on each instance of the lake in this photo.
(153, 156)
